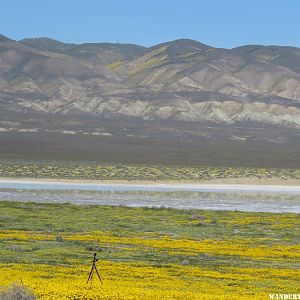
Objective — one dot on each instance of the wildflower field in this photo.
(147, 253)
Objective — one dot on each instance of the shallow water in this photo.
(215, 197)
(159, 187)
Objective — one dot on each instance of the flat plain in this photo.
(160, 253)
(150, 253)
(66, 170)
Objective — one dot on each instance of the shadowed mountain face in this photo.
(246, 97)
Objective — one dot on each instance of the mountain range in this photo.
(180, 96)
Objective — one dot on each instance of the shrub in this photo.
(16, 292)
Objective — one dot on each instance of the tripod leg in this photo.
(90, 275)
(98, 275)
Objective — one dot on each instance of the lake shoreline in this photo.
(241, 197)
(276, 182)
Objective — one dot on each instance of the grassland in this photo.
(94, 171)
(148, 253)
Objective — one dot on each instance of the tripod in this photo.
(92, 270)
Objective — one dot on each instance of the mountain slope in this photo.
(241, 93)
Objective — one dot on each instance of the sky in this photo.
(218, 23)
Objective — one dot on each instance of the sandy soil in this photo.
(228, 181)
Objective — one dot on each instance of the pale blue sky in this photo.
(219, 23)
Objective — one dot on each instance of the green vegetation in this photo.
(60, 233)
(160, 253)
(115, 65)
(135, 172)
(268, 57)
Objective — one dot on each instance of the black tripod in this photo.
(92, 270)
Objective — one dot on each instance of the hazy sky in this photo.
(220, 23)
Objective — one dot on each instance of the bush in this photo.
(17, 292)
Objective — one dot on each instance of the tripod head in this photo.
(95, 259)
